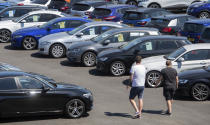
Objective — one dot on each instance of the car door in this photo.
(89, 33)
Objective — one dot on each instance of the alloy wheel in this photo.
(204, 15)
(5, 35)
(132, 2)
(200, 92)
(29, 43)
(89, 59)
(154, 5)
(152, 77)
(75, 108)
(117, 68)
(57, 50)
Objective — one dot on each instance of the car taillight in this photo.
(64, 8)
(20, 4)
(109, 18)
(142, 23)
(167, 29)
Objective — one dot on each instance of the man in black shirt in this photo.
(170, 84)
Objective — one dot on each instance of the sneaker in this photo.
(166, 113)
(137, 115)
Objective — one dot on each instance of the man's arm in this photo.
(159, 80)
(131, 79)
(177, 82)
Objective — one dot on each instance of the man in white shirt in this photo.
(137, 77)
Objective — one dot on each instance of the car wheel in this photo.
(75, 108)
(204, 15)
(89, 59)
(29, 43)
(117, 68)
(151, 79)
(154, 5)
(5, 35)
(132, 2)
(200, 92)
(57, 51)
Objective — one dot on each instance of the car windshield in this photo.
(101, 12)
(193, 27)
(134, 16)
(102, 36)
(205, 34)
(80, 7)
(160, 22)
(19, 18)
(47, 24)
(175, 54)
(77, 29)
(40, 1)
(130, 44)
(53, 85)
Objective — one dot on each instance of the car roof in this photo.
(145, 10)
(173, 16)
(102, 23)
(90, 2)
(115, 6)
(134, 29)
(26, 6)
(144, 38)
(70, 18)
(197, 46)
(199, 21)
(4, 74)
(45, 11)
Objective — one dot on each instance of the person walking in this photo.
(137, 78)
(170, 80)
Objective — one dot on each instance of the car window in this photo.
(7, 84)
(30, 83)
(9, 13)
(119, 37)
(134, 35)
(59, 25)
(33, 18)
(92, 31)
(47, 17)
(106, 28)
(167, 44)
(147, 46)
(196, 55)
(20, 12)
(74, 23)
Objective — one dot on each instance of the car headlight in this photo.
(103, 58)
(183, 81)
(74, 50)
(18, 36)
(87, 95)
(45, 43)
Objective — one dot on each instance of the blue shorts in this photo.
(136, 91)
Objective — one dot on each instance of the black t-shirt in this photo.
(169, 77)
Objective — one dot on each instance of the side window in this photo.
(9, 13)
(20, 12)
(182, 20)
(134, 35)
(147, 46)
(33, 18)
(120, 37)
(47, 17)
(59, 25)
(196, 55)
(92, 31)
(74, 23)
(7, 84)
(30, 83)
(167, 44)
(105, 28)
(173, 22)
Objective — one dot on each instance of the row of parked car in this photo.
(108, 36)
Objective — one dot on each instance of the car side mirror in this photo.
(181, 59)
(44, 89)
(106, 42)
(23, 21)
(79, 35)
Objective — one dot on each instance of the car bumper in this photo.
(16, 42)
(102, 67)
(44, 49)
(74, 57)
(183, 90)
(89, 104)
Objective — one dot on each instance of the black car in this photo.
(195, 83)
(118, 61)
(13, 12)
(170, 24)
(27, 94)
(205, 37)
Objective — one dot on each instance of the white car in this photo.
(167, 4)
(186, 57)
(34, 18)
(44, 3)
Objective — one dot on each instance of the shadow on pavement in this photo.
(95, 72)
(126, 82)
(125, 115)
(67, 63)
(152, 111)
(9, 47)
(37, 55)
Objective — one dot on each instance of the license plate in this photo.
(191, 39)
(98, 19)
(130, 25)
(76, 15)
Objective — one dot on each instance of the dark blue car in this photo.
(110, 12)
(28, 37)
(192, 29)
(200, 10)
(142, 16)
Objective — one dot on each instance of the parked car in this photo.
(170, 24)
(119, 61)
(199, 10)
(28, 38)
(110, 12)
(205, 37)
(56, 44)
(168, 4)
(34, 18)
(86, 51)
(37, 95)
(85, 8)
(192, 29)
(142, 16)
(7, 67)
(44, 3)
(195, 83)
(186, 57)
(130, 2)
(13, 12)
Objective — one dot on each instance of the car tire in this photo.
(200, 92)
(132, 2)
(154, 5)
(75, 108)
(204, 15)
(89, 59)
(151, 78)
(5, 35)
(117, 68)
(57, 50)
(29, 43)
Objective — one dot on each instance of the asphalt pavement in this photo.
(111, 104)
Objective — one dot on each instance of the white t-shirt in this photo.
(139, 74)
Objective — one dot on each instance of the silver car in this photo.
(57, 44)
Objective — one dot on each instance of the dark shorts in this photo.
(136, 91)
(169, 93)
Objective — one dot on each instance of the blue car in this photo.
(110, 12)
(142, 16)
(192, 29)
(5, 4)
(28, 38)
(199, 9)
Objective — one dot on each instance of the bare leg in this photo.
(133, 103)
(140, 105)
(169, 105)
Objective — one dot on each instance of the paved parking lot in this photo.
(111, 105)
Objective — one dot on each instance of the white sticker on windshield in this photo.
(11, 13)
(149, 46)
(92, 31)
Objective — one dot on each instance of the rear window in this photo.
(7, 84)
(134, 16)
(192, 27)
(80, 7)
(163, 22)
(101, 12)
(40, 1)
(206, 34)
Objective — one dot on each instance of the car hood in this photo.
(56, 37)
(28, 30)
(154, 63)
(153, 59)
(109, 52)
(193, 73)
(81, 44)
(62, 85)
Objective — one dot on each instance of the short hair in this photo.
(138, 59)
(168, 63)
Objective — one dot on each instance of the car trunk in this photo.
(101, 13)
(159, 23)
